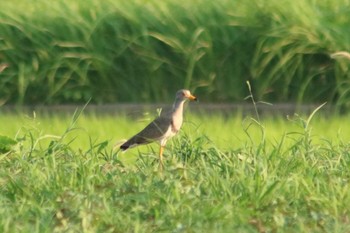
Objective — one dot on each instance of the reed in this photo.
(118, 51)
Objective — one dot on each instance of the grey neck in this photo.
(178, 106)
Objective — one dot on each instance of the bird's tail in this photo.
(134, 141)
(122, 144)
(124, 147)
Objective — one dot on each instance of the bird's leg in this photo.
(161, 157)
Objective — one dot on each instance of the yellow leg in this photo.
(161, 157)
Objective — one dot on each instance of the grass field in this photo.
(222, 174)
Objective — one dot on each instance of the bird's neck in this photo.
(178, 107)
(177, 115)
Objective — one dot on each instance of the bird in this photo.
(164, 127)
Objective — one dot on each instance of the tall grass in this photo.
(119, 51)
(294, 182)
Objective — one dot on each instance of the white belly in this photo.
(168, 134)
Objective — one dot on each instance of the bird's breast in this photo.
(176, 124)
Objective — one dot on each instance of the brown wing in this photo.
(152, 132)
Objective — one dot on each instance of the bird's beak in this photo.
(192, 97)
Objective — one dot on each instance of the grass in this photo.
(118, 51)
(220, 176)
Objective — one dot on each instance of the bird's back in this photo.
(152, 132)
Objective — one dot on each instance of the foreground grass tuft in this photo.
(293, 184)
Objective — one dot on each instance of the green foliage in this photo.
(6, 144)
(122, 51)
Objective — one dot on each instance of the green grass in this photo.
(119, 51)
(220, 175)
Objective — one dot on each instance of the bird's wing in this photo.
(156, 129)
(152, 132)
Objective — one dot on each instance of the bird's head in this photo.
(185, 94)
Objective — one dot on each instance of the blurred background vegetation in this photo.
(55, 52)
